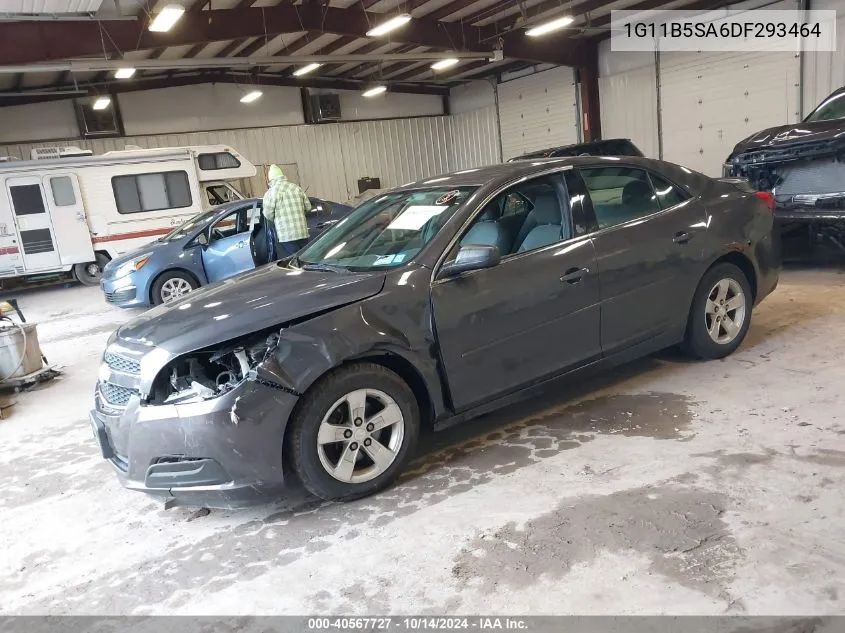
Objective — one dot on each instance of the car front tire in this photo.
(354, 432)
(720, 314)
(172, 285)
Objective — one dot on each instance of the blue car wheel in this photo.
(172, 285)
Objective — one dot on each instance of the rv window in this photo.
(217, 160)
(63, 195)
(151, 192)
(27, 200)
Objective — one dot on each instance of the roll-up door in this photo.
(538, 111)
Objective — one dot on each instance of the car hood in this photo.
(150, 247)
(785, 135)
(256, 300)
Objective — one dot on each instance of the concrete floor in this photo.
(666, 487)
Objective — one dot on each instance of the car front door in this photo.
(228, 250)
(646, 246)
(533, 315)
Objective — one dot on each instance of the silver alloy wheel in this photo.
(93, 269)
(360, 436)
(174, 288)
(725, 311)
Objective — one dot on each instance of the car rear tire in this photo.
(90, 274)
(172, 285)
(354, 432)
(720, 314)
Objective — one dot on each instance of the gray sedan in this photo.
(426, 306)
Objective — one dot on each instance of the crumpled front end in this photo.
(807, 179)
(205, 429)
(808, 184)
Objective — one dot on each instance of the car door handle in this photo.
(241, 244)
(682, 237)
(574, 275)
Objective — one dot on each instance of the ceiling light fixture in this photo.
(444, 63)
(124, 73)
(374, 91)
(548, 27)
(390, 25)
(306, 69)
(166, 18)
(251, 96)
(102, 103)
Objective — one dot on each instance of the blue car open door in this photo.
(228, 251)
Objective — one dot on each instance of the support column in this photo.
(588, 76)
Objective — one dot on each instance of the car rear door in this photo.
(648, 249)
(534, 315)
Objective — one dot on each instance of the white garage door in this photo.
(538, 111)
(710, 101)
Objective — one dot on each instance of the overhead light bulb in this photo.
(251, 96)
(102, 103)
(166, 18)
(548, 27)
(444, 63)
(306, 69)
(375, 91)
(124, 73)
(390, 25)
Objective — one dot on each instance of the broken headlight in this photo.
(212, 372)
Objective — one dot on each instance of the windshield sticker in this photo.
(386, 260)
(413, 218)
(448, 197)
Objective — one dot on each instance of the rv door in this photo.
(69, 221)
(32, 222)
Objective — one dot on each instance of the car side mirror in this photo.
(202, 239)
(471, 257)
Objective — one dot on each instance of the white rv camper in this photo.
(67, 211)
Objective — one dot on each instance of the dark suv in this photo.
(801, 165)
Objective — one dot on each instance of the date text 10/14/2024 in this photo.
(417, 624)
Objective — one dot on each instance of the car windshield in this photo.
(831, 108)
(385, 231)
(185, 229)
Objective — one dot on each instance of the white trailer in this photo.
(65, 211)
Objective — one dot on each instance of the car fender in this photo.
(309, 350)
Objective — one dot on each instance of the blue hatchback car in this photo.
(216, 244)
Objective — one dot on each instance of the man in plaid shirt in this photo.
(285, 204)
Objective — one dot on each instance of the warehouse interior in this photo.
(659, 486)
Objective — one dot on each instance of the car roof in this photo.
(505, 172)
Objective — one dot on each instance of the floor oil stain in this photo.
(680, 529)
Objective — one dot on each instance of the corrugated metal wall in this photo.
(824, 71)
(330, 158)
(538, 111)
(474, 139)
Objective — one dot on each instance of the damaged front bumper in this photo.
(219, 452)
(807, 180)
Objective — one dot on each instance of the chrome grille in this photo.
(115, 394)
(122, 364)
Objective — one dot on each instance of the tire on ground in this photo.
(84, 276)
(301, 445)
(156, 292)
(698, 342)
